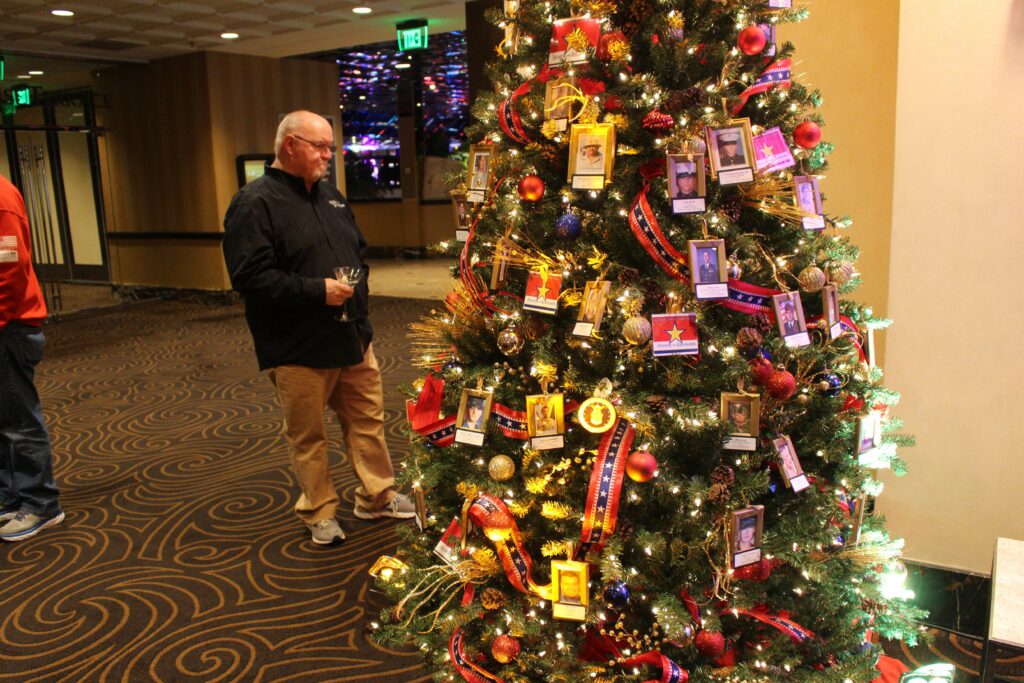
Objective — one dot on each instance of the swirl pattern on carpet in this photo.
(180, 558)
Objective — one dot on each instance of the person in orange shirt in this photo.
(29, 500)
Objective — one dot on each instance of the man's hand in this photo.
(337, 293)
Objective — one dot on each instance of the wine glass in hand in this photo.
(351, 276)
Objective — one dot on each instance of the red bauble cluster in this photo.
(658, 121)
(751, 41)
(781, 384)
(613, 102)
(641, 466)
(505, 648)
(711, 644)
(807, 135)
(531, 188)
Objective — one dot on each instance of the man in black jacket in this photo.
(283, 236)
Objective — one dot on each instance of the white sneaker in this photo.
(326, 532)
(399, 507)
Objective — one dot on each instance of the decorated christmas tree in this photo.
(645, 440)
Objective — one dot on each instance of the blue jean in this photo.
(26, 463)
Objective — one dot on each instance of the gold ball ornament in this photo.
(596, 415)
(812, 279)
(637, 330)
(505, 648)
(501, 468)
(509, 342)
(840, 273)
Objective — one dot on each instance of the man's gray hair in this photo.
(289, 124)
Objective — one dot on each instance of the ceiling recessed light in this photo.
(35, 73)
(403, 65)
(62, 13)
(362, 9)
(24, 76)
(229, 36)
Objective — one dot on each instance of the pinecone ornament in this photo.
(722, 479)
(657, 403)
(632, 16)
(628, 276)
(749, 338)
(679, 101)
(723, 474)
(533, 327)
(732, 206)
(492, 599)
(655, 298)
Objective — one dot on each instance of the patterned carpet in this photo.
(180, 559)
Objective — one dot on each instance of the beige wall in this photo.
(858, 84)
(174, 127)
(955, 351)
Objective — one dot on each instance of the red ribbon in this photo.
(670, 671)
(492, 516)
(471, 672)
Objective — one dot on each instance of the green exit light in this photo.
(412, 35)
(21, 95)
(2, 74)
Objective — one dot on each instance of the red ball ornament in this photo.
(531, 188)
(807, 135)
(711, 644)
(641, 466)
(761, 370)
(781, 384)
(751, 41)
(504, 649)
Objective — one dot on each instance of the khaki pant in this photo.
(356, 396)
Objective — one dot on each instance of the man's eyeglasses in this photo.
(320, 146)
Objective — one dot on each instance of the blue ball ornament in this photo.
(829, 384)
(568, 226)
(616, 594)
(773, 487)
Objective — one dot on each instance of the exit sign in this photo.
(21, 96)
(412, 35)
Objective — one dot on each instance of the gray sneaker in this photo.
(399, 507)
(27, 524)
(326, 532)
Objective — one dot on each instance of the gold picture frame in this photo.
(591, 155)
(479, 172)
(730, 170)
(570, 589)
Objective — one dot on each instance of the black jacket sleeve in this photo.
(252, 260)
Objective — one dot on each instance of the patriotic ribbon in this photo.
(778, 74)
(670, 671)
(471, 672)
(602, 509)
(743, 297)
(509, 118)
(423, 416)
(492, 516)
(512, 423)
(797, 633)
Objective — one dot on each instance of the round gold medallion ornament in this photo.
(501, 468)
(596, 415)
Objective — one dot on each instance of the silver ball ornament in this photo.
(509, 342)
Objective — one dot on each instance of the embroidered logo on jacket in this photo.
(336, 204)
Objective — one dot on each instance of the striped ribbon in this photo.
(670, 671)
(493, 518)
(509, 118)
(796, 632)
(602, 508)
(743, 297)
(471, 672)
